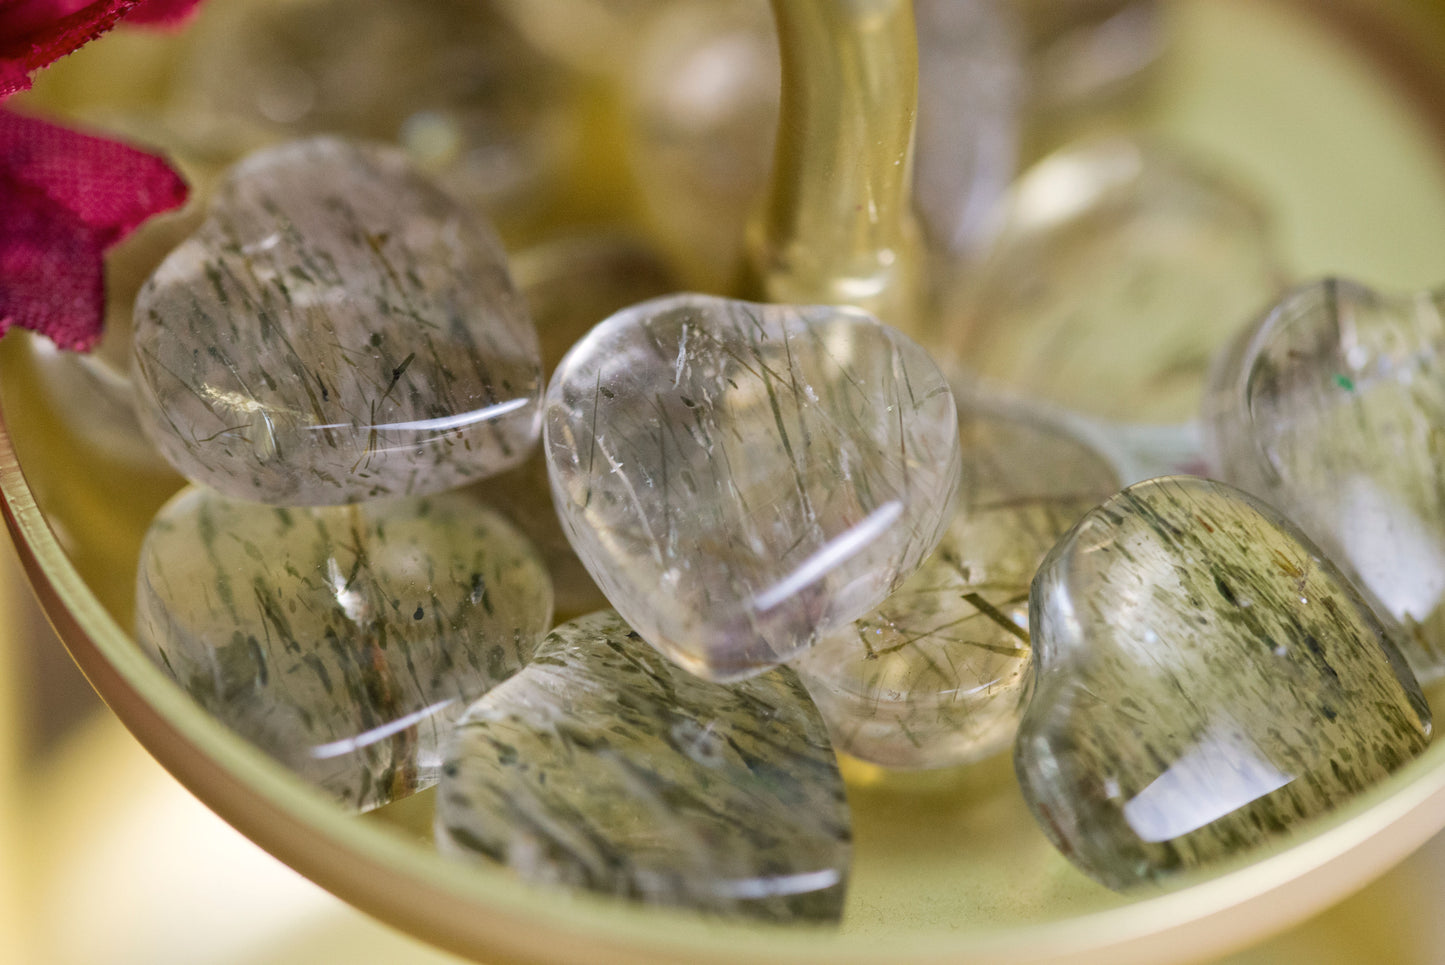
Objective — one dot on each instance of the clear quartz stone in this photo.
(343, 641)
(1205, 682)
(475, 106)
(742, 479)
(1330, 409)
(603, 766)
(936, 676)
(570, 284)
(1120, 271)
(336, 330)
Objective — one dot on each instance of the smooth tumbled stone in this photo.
(336, 330)
(742, 479)
(570, 284)
(1331, 408)
(1121, 270)
(342, 641)
(603, 766)
(936, 676)
(1205, 682)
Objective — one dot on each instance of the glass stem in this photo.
(838, 227)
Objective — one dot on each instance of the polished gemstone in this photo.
(1120, 271)
(336, 330)
(972, 79)
(743, 479)
(570, 284)
(1330, 408)
(936, 675)
(603, 766)
(343, 641)
(481, 111)
(1205, 682)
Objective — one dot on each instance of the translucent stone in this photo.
(1119, 273)
(602, 766)
(336, 330)
(1205, 682)
(1330, 408)
(475, 106)
(971, 86)
(701, 99)
(343, 641)
(569, 284)
(573, 282)
(936, 675)
(1086, 56)
(743, 479)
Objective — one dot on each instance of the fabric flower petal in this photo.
(51, 270)
(65, 197)
(35, 32)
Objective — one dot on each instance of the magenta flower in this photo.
(65, 196)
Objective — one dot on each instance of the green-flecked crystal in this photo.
(603, 766)
(337, 329)
(343, 641)
(1205, 682)
(936, 675)
(1331, 408)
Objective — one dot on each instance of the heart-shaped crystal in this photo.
(1120, 271)
(1204, 683)
(341, 640)
(602, 766)
(1331, 408)
(741, 479)
(337, 329)
(936, 675)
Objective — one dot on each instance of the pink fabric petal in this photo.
(64, 198)
(51, 270)
(35, 32)
(109, 185)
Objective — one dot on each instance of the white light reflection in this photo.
(1216, 777)
(832, 554)
(352, 744)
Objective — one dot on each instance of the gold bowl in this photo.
(1336, 110)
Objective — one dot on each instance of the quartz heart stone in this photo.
(343, 641)
(336, 330)
(936, 675)
(743, 479)
(1205, 682)
(603, 766)
(1120, 271)
(1331, 408)
(569, 284)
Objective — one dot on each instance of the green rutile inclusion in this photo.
(337, 329)
(603, 766)
(936, 676)
(343, 641)
(1205, 681)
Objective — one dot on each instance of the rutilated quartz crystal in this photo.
(1120, 271)
(1205, 681)
(336, 330)
(343, 641)
(603, 766)
(744, 479)
(1331, 409)
(936, 676)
